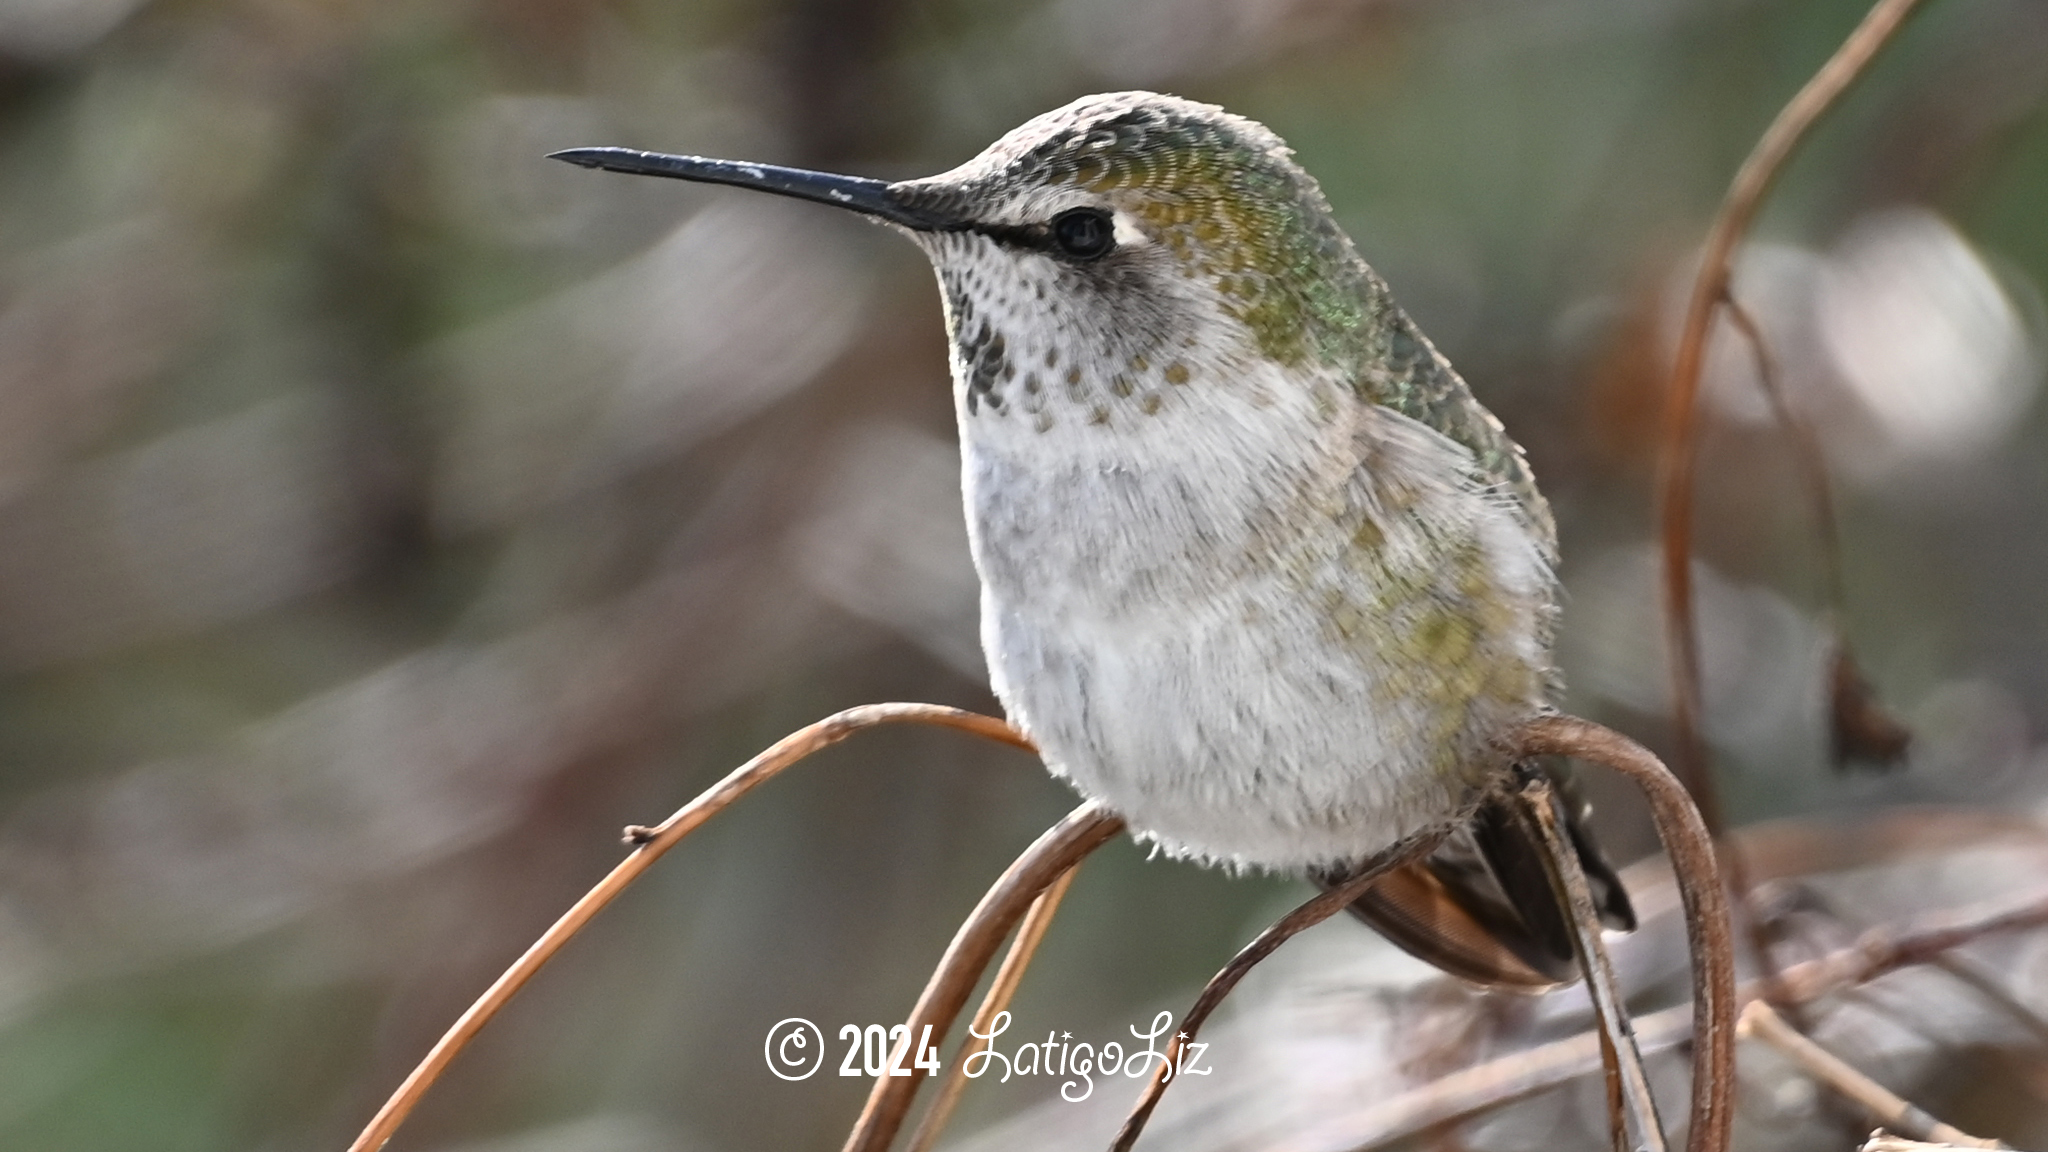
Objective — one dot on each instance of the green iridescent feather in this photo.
(1225, 194)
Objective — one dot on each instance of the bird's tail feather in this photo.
(1480, 906)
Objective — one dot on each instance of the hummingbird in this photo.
(1258, 571)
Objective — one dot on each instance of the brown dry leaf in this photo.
(1861, 733)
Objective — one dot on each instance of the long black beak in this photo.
(869, 197)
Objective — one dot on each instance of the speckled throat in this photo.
(1216, 207)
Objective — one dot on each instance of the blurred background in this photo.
(388, 515)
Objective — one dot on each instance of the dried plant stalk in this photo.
(1883, 1141)
(1806, 454)
(1707, 928)
(1860, 731)
(1886, 1106)
(651, 844)
(1883, 950)
(1309, 915)
(1008, 977)
(1681, 428)
(1057, 851)
(1506, 1079)
(1632, 1109)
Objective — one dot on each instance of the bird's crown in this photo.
(1221, 194)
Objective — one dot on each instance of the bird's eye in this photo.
(1083, 233)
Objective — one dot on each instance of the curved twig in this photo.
(1520, 1075)
(1707, 929)
(1738, 209)
(1000, 990)
(1881, 950)
(1630, 1103)
(1314, 912)
(1887, 1107)
(652, 843)
(1807, 457)
(1985, 982)
(1057, 851)
(1859, 729)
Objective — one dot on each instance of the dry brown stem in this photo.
(1681, 430)
(1882, 950)
(1886, 1106)
(1308, 915)
(1883, 1141)
(1520, 1075)
(1806, 453)
(1057, 851)
(651, 844)
(1470, 1091)
(1860, 730)
(1987, 984)
(1712, 288)
(1632, 1109)
(1000, 990)
(1707, 929)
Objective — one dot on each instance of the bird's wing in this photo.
(1480, 907)
(1405, 373)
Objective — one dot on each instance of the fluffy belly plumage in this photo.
(1291, 648)
(1244, 732)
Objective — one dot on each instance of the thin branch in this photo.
(1987, 984)
(1963, 968)
(1523, 1074)
(1057, 851)
(1631, 1106)
(1707, 930)
(1712, 288)
(1806, 454)
(1806, 450)
(652, 843)
(1745, 196)
(1859, 729)
(1492, 1084)
(1883, 1141)
(1008, 977)
(1880, 950)
(1889, 1108)
(1308, 915)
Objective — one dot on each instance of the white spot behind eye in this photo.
(1126, 230)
